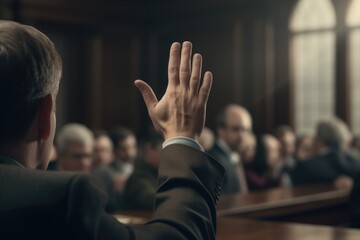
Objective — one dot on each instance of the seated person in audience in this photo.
(304, 148)
(286, 137)
(37, 204)
(207, 139)
(233, 122)
(247, 148)
(76, 147)
(103, 150)
(125, 150)
(263, 172)
(141, 186)
(332, 163)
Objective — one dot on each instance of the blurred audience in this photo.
(232, 124)
(125, 150)
(247, 148)
(286, 137)
(332, 163)
(304, 148)
(263, 171)
(141, 186)
(75, 143)
(103, 150)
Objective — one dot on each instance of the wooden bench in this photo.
(316, 204)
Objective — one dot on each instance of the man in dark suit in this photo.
(233, 122)
(332, 164)
(36, 204)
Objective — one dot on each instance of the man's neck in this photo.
(21, 153)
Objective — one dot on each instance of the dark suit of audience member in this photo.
(37, 204)
(231, 180)
(233, 123)
(331, 162)
(325, 168)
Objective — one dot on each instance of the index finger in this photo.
(174, 64)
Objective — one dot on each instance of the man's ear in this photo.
(44, 117)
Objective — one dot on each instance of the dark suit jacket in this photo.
(325, 168)
(231, 180)
(49, 205)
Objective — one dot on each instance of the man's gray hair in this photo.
(333, 133)
(73, 133)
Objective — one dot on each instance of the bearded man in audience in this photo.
(37, 204)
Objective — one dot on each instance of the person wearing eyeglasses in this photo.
(233, 124)
(75, 144)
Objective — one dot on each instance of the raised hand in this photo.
(182, 109)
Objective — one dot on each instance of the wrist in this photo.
(180, 134)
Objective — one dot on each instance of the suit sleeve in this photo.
(189, 185)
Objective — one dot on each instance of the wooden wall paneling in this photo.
(248, 81)
(239, 79)
(3, 8)
(80, 12)
(269, 77)
(120, 69)
(284, 85)
(257, 107)
(341, 71)
(10, 10)
(93, 80)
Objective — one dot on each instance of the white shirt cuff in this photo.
(184, 141)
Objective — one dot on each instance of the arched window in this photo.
(312, 27)
(353, 23)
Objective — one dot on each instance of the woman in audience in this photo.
(263, 172)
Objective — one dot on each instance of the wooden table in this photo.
(316, 204)
(231, 228)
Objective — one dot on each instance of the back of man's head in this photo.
(30, 69)
(333, 134)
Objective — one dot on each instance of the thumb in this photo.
(147, 93)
